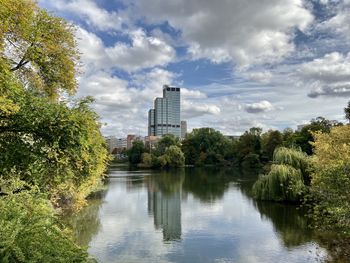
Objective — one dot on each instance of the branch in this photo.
(20, 64)
(23, 60)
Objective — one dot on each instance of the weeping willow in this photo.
(295, 158)
(285, 181)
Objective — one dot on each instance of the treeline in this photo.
(320, 181)
(52, 154)
(206, 146)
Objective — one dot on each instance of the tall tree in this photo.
(38, 47)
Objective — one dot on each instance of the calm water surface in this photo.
(191, 215)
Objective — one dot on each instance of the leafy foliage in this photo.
(30, 231)
(173, 157)
(135, 152)
(331, 179)
(53, 147)
(285, 181)
(164, 143)
(205, 146)
(58, 148)
(38, 47)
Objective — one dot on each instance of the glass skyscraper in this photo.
(165, 117)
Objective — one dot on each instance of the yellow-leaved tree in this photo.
(330, 184)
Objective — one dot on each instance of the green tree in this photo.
(52, 146)
(270, 141)
(38, 47)
(304, 138)
(205, 146)
(30, 231)
(174, 157)
(58, 148)
(285, 181)
(164, 143)
(249, 148)
(135, 152)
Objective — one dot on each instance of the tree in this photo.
(164, 143)
(205, 146)
(135, 152)
(30, 231)
(270, 141)
(58, 148)
(304, 138)
(249, 148)
(174, 157)
(54, 148)
(347, 112)
(285, 181)
(330, 182)
(38, 47)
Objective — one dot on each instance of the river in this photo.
(191, 215)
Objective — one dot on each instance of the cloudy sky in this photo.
(267, 63)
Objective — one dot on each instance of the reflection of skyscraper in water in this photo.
(166, 210)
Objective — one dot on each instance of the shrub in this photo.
(30, 231)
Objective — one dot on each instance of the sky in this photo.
(264, 63)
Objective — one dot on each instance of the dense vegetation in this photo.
(286, 179)
(167, 153)
(330, 181)
(52, 152)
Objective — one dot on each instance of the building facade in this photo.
(183, 129)
(111, 143)
(165, 117)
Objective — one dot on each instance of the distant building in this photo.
(165, 117)
(122, 143)
(131, 138)
(111, 143)
(151, 123)
(150, 142)
(183, 129)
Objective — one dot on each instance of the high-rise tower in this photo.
(165, 117)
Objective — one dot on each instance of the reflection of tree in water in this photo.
(289, 222)
(208, 183)
(164, 202)
(86, 223)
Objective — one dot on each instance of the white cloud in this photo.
(263, 77)
(244, 32)
(258, 107)
(332, 67)
(192, 109)
(90, 12)
(144, 52)
(327, 76)
(339, 23)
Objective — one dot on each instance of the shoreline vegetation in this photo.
(53, 155)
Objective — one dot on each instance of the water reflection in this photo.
(86, 223)
(289, 221)
(208, 184)
(164, 203)
(208, 212)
